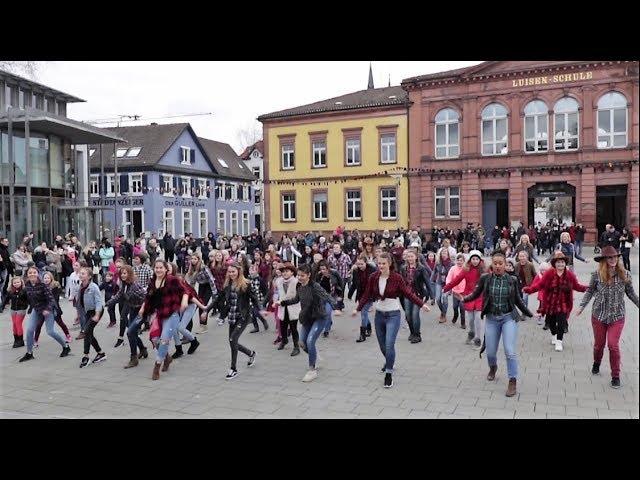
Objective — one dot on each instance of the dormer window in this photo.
(223, 163)
(92, 151)
(186, 156)
(121, 152)
(133, 152)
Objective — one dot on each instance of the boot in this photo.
(156, 371)
(265, 324)
(443, 318)
(144, 353)
(511, 390)
(363, 335)
(455, 316)
(282, 344)
(492, 373)
(462, 320)
(20, 340)
(369, 330)
(133, 362)
(177, 354)
(296, 351)
(15, 341)
(166, 363)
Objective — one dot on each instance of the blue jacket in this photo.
(92, 298)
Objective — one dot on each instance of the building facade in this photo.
(501, 142)
(43, 163)
(253, 157)
(341, 161)
(167, 181)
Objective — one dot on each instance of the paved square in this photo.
(438, 378)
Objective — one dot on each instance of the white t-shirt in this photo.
(388, 304)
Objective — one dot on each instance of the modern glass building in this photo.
(43, 163)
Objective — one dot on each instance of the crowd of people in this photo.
(161, 285)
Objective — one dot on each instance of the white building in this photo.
(253, 157)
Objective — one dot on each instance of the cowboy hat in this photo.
(608, 251)
(558, 256)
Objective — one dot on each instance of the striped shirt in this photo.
(608, 299)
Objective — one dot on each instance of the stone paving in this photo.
(438, 378)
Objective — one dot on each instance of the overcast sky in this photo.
(236, 92)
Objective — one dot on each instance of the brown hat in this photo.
(558, 256)
(608, 251)
(288, 266)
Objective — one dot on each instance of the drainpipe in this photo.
(12, 181)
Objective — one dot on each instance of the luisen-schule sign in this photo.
(550, 79)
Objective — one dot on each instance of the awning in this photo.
(77, 133)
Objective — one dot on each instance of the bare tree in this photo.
(28, 68)
(250, 134)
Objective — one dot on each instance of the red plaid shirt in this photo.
(219, 275)
(558, 291)
(170, 298)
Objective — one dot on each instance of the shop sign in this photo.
(551, 79)
(111, 202)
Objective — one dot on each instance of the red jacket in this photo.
(536, 284)
(396, 287)
(471, 278)
(551, 294)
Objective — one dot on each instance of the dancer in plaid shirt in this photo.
(142, 270)
(260, 289)
(340, 262)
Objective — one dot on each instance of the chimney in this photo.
(154, 123)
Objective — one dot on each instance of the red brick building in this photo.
(496, 142)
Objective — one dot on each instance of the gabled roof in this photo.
(370, 98)
(236, 169)
(259, 145)
(22, 81)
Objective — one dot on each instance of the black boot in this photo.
(15, 341)
(455, 316)
(20, 341)
(144, 353)
(363, 335)
(462, 319)
(369, 330)
(282, 344)
(178, 353)
(194, 345)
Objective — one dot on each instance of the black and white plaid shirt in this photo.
(234, 314)
(608, 300)
(144, 274)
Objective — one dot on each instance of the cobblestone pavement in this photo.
(438, 378)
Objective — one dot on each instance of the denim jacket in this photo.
(92, 298)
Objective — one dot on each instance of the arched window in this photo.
(612, 121)
(566, 124)
(447, 134)
(536, 127)
(494, 130)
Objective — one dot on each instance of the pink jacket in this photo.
(453, 272)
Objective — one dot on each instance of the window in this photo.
(121, 152)
(221, 190)
(186, 156)
(245, 193)
(202, 187)
(234, 192)
(92, 151)
(388, 203)
(288, 201)
(288, 157)
(135, 183)
(222, 222)
(447, 134)
(14, 97)
(167, 185)
(612, 121)
(133, 152)
(186, 186)
(536, 120)
(494, 130)
(245, 223)
(94, 185)
(320, 203)
(565, 134)
(203, 223)
(319, 152)
(352, 153)
(27, 98)
(354, 205)
(447, 200)
(62, 109)
(111, 186)
(388, 148)
(256, 197)
(234, 222)
(186, 221)
(39, 101)
(256, 172)
(168, 220)
(223, 163)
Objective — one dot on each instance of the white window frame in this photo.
(126, 231)
(352, 202)
(110, 183)
(257, 170)
(186, 192)
(202, 186)
(493, 118)
(121, 152)
(133, 152)
(246, 223)
(94, 181)
(566, 138)
(223, 162)
(246, 193)
(234, 192)
(437, 197)
(168, 192)
(388, 200)
(353, 149)
(206, 220)
(186, 156)
(288, 152)
(537, 138)
(173, 220)
(385, 147)
(447, 145)
(132, 181)
(447, 196)
(184, 231)
(326, 206)
(233, 231)
(288, 203)
(612, 134)
(221, 215)
(319, 147)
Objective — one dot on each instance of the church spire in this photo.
(389, 79)
(370, 85)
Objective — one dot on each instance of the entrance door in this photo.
(495, 209)
(611, 207)
(257, 222)
(138, 223)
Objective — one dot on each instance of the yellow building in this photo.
(341, 161)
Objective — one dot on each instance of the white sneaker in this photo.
(221, 322)
(558, 345)
(540, 321)
(203, 329)
(310, 375)
(554, 339)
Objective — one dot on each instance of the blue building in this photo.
(167, 180)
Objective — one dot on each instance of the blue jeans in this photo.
(506, 326)
(525, 299)
(135, 342)
(578, 247)
(431, 290)
(329, 321)
(387, 326)
(36, 318)
(364, 314)
(169, 327)
(441, 299)
(182, 325)
(308, 336)
(413, 315)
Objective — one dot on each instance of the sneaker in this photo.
(383, 369)
(194, 345)
(101, 357)
(416, 339)
(68, 338)
(310, 376)
(477, 344)
(540, 321)
(119, 342)
(595, 370)
(615, 382)
(252, 359)
(84, 362)
(80, 336)
(388, 381)
(35, 345)
(325, 334)
(65, 351)
(220, 323)
(27, 356)
(554, 339)
(558, 345)
(232, 374)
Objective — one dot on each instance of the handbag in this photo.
(96, 270)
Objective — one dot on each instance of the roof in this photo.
(155, 140)
(13, 78)
(370, 98)
(445, 74)
(236, 168)
(259, 145)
